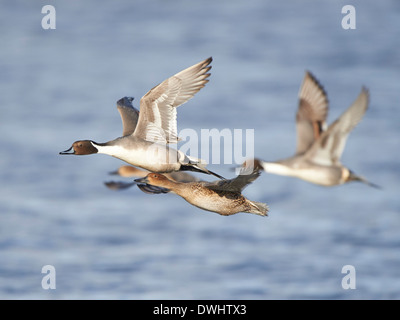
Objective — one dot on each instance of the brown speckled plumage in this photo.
(223, 196)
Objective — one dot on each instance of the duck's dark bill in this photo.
(68, 151)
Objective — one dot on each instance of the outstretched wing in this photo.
(157, 118)
(330, 146)
(129, 115)
(237, 184)
(311, 114)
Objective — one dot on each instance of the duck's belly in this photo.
(155, 158)
(224, 205)
(322, 175)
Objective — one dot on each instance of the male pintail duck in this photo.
(319, 148)
(129, 115)
(130, 171)
(223, 196)
(147, 133)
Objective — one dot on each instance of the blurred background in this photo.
(61, 85)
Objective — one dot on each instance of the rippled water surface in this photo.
(61, 85)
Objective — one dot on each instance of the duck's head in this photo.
(155, 179)
(81, 147)
(129, 171)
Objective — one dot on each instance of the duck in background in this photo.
(319, 147)
(222, 196)
(144, 142)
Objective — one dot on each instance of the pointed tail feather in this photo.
(361, 179)
(354, 177)
(196, 168)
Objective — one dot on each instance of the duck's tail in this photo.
(259, 208)
(196, 168)
(197, 165)
(354, 177)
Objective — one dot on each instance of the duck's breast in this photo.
(151, 156)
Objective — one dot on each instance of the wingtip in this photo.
(117, 185)
(207, 63)
(373, 185)
(125, 102)
(308, 73)
(365, 90)
(364, 94)
(306, 90)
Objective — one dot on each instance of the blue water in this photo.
(58, 86)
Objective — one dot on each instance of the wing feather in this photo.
(237, 184)
(158, 106)
(330, 146)
(311, 114)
